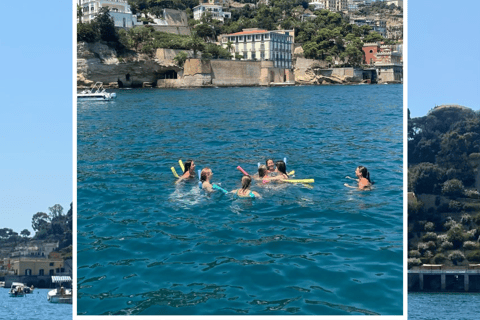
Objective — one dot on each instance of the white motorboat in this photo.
(60, 294)
(97, 92)
(17, 290)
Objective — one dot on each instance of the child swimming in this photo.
(245, 191)
(205, 177)
(281, 169)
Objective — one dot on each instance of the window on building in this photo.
(41, 272)
(28, 272)
(51, 272)
(249, 38)
(51, 264)
(254, 55)
(267, 36)
(244, 55)
(240, 38)
(257, 37)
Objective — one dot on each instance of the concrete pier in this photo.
(438, 278)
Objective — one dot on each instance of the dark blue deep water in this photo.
(147, 246)
(443, 306)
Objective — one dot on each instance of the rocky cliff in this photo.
(98, 62)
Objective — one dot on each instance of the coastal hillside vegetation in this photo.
(328, 37)
(52, 227)
(443, 173)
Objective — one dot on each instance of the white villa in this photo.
(215, 9)
(332, 5)
(119, 10)
(262, 45)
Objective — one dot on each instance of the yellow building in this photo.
(37, 267)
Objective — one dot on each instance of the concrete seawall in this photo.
(452, 280)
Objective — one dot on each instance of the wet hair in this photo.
(364, 172)
(187, 165)
(262, 171)
(204, 174)
(246, 180)
(266, 162)
(281, 166)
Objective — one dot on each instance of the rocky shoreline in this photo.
(96, 62)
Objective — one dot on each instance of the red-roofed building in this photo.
(262, 45)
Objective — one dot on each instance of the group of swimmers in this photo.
(270, 172)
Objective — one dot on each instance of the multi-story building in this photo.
(119, 11)
(216, 10)
(387, 60)
(398, 3)
(263, 45)
(354, 5)
(377, 25)
(37, 267)
(332, 5)
(35, 249)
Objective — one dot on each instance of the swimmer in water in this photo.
(189, 172)
(263, 175)
(281, 169)
(205, 177)
(270, 166)
(364, 182)
(245, 191)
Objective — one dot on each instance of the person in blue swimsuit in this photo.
(245, 191)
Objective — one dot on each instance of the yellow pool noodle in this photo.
(181, 165)
(299, 180)
(174, 172)
(291, 173)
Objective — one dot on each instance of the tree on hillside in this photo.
(55, 211)
(25, 233)
(195, 43)
(105, 25)
(40, 221)
(79, 13)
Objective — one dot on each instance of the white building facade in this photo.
(119, 10)
(262, 45)
(214, 9)
(332, 5)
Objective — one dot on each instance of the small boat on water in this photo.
(97, 92)
(17, 290)
(2, 284)
(61, 294)
(28, 289)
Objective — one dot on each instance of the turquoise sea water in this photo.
(443, 306)
(147, 246)
(31, 307)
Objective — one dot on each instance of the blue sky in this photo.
(35, 111)
(443, 54)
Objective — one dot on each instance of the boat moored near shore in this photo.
(97, 92)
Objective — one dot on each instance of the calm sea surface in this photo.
(443, 306)
(32, 306)
(147, 246)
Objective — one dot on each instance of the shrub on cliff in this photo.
(180, 58)
(455, 206)
(445, 246)
(456, 237)
(439, 258)
(456, 257)
(470, 245)
(429, 226)
(430, 236)
(453, 188)
(474, 256)
(414, 254)
(425, 178)
(413, 262)
(87, 32)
